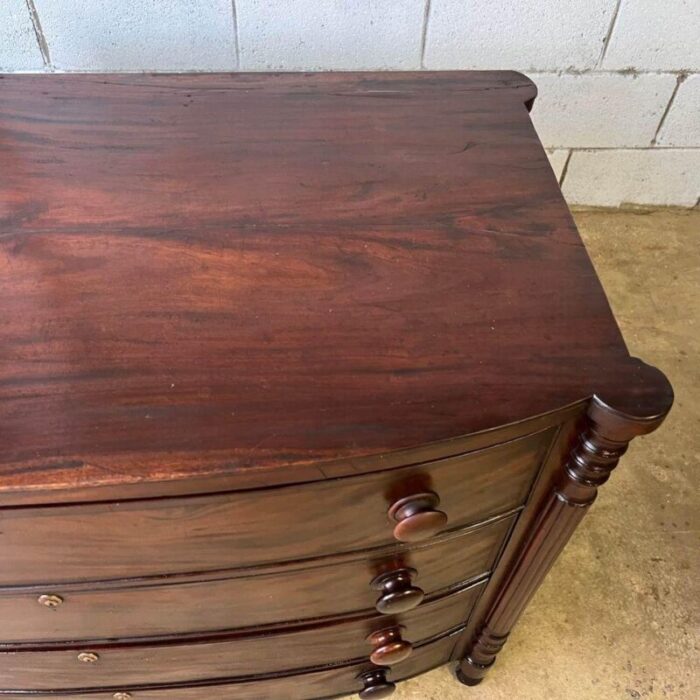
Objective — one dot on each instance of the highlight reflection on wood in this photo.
(298, 371)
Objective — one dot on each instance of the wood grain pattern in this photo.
(602, 441)
(245, 315)
(329, 682)
(206, 275)
(162, 536)
(539, 495)
(152, 608)
(296, 473)
(244, 655)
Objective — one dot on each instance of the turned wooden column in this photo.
(602, 442)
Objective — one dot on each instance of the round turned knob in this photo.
(88, 657)
(375, 684)
(416, 517)
(122, 696)
(398, 592)
(389, 647)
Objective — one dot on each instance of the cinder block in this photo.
(655, 35)
(600, 110)
(312, 35)
(19, 49)
(682, 124)
(557, 159)
(527, 35)
(100, 35)
(656, 176)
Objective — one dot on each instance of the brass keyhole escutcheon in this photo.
(50, 600)
(88, 657)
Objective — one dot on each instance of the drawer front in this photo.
(204, 533)
(325, 683)
(334, 643)
(228, 603)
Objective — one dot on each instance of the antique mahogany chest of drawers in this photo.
(305, 381)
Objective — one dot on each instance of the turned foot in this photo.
(482, 655)
(464, 678)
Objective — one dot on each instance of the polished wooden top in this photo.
(206, 274)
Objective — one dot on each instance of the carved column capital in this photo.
(589, 466)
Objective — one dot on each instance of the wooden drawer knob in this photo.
(417, 517)
(389, 647)
(398, 592)
(375, 684)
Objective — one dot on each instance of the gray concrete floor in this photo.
(618, 615)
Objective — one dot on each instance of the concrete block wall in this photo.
(619, 80)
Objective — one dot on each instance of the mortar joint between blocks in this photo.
(39, 34)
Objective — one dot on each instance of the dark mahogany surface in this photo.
(204, 274)
(187, 661)
(241, 600)
(153, 536)
(328, 681)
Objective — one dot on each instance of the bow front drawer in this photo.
(327, 682)
(52, 544)
(150, 608)
(388, 641)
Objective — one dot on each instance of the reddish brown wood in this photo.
(311, 683)
(179, 251)
(398, 594)
(610, 427)
(254, 327)
(66, 543)
(186, 660)
(544, 484)
(417, 517)
(254, 598)
(297, 473)
(389, 646)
